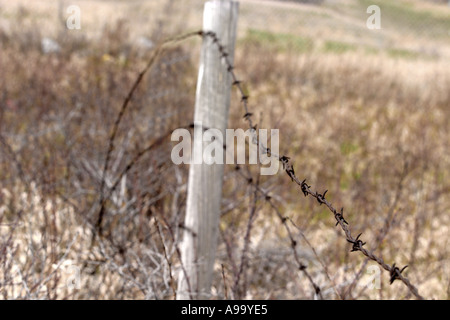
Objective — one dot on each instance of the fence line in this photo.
(357, 243)
(158, 51)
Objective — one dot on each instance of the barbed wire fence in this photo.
(357, 243)
(395, 272)
(170, 252)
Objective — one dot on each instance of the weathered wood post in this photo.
(204, 192)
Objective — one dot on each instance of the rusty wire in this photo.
(357, 243)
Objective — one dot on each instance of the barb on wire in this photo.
(357, 243)
(395, 273)
(340, 217)
(321, 197)
(304, 186)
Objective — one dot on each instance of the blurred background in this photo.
(362, 112)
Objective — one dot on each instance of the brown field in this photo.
(364, 114)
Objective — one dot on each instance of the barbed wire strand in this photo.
(395, 272)
(301, 266)
(357, 244)
(111, 141)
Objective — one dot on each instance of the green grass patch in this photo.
(278, 41)
(402, 53)
(322, 215)
(344, 183)
(348, 147)
(371, 50)
(338, 47)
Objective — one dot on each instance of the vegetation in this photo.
(366, 120)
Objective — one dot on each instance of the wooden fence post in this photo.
(204, 192)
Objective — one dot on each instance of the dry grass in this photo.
(368, 120)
